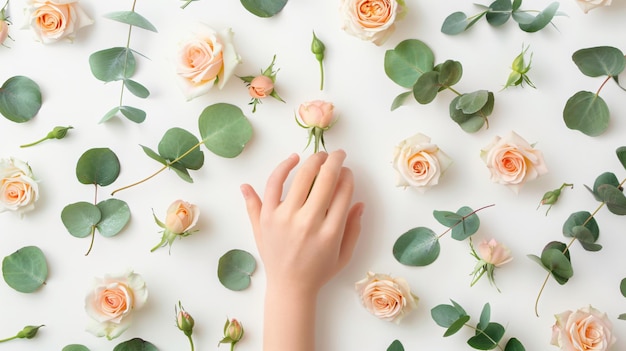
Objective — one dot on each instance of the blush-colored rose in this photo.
(111, 302)
(181, 216)
(53, 20)
(371, 20)
(4, 31)
(585, 329)
(317, 113)
(18, 189)
(512, 161)
(387, 298)
(494, 253)
(588, 5)
(419, 163)
(205, 59)
(261, 87)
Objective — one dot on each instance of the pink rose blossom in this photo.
(493, 252)
(387, 298)
(317, 113)
(585, 329)
(261, 87)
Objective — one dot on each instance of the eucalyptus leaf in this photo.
(456, 326)
(488, 338)
(115, 214)
(132, 18)
(613, 198)
(622, 316)
(135, 344)
(450, 73)
(182, 172)
(621, 155)
(110, 114)
(445, 315)
(396, 345)
(75, 347)
(426, 88)
(80, 218)
(447, 218)
(26, 269)
(408, 61)
(516, 5)
(177, 142)
(600, 61)
(541, 20)
(224, 129)
(622, 287)
(417, 247)
(485, 317)
(472, 102)
(154, 155)
(400, 99)
(136, 88)
(264, 8)
(112, 64)
(98, 166)
(499, 12)
(235, 268)
(607, 178)
(132, 113)
(514, 345)
(578, 219)
(20, 99)
(586, 112)
(557, 264)
(455, 23)
(468, 226)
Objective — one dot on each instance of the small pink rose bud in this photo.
(184, 321)
(494, 253)
(4, 31)
(181, 217)
(233, 330)
(260, 87)
(317, 113)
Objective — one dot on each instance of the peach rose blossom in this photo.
(4, 31)
(181, 216)
(18, 189)
(588, 5)
(387, 298)
(512, 161)
(371, 20)
(205, 59)
(261, 87)
(493, 252)
(111, 302)
(317, 113)
(586, 329)
(53, 20)
(419, 163)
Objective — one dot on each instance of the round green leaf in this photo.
(613, 198)
(586, 112)
(75, 347)
(112, 64)
(447, 218)
(558, 264)
(20, 99)
(26, 269)
(455, 23)
(264, 8)
(417, 247)
(80, 218)
(472, 102)
(98, 166)
(176, 142)
(514, 345)
(235, 268)
(469, 225)
(445, 315)
(133, 114)
(577, 219)
(600, 61)
(450, 73)
(136, 88)
(488, 338)
(499, 12)
(408, 61)
(135, 344)
(115, 214)
(607, 178)
(224, 129)
(426, 88)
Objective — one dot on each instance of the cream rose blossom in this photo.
(495, 253)
(18, 188)
(205, 59)
(588, 5)
(419, 163)
(112, 301)
(585, 329)
(387, 298)
(371, 20)
(53, 20)
(4, 30)
(512, 161)
(181, 217)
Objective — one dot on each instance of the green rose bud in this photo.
(233, 332)
(318, 48)
(56, 133)
(29, 332)
(184, 321)
(552, 196)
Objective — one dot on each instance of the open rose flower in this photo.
(490, 255)
(53, 20)
(588, 5)
(18, 189)
(112, 301)
(371, 20)
(585, 329)
(385, 297)
(205, 59)
(419, 163)
(512, 161)
(317, 116)
(180, 219)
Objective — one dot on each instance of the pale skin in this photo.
(304, 239)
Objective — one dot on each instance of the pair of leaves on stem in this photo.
(119, 64)
(135, 344)
(487, 334)
(20, 99)
(26, 269)
(498, 13)
(411, 64)
(586, 111)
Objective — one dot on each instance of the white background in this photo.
(367, 130)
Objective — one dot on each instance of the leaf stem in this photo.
(8, 339)
(462, 219)
(189, 336)
(321, 75)
(130, 30)
(93, 238)
(35, 142)
(603, 84)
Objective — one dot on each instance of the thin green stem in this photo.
(321, 75)
(603, 84)
(183, 7)
(93, 238)
(191, 342)
(35, 143)
(8, 339)
(462, 219)
(130, 30)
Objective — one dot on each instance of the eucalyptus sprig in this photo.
(119, 63)
(224, 129)
(498, 13)
(97, 167)
(582, 226)
(411, 65)
(586, 111)
(487, 335)
(420, 246)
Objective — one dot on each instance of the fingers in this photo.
(276, 180)
(301, 186)
(253, 206)
(351, 234)
(341, 199)
(324, 188)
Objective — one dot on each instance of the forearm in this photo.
(289, 320)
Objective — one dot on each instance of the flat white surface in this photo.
(367, 130)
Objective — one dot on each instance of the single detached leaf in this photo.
(586, 112)
(135, 344)
(224, 129)
(26, 269)
(98, 166)
(613, 198)
(80, 218)
(132, 18)
(264, 8)
(396, 345)
(488, 338)
(75, 347)
(514, 345)
(541, 20)
(400, 99)
(177, 142)
(621, 155)
(408, 61)
(417, 247)
(115, 214)
(235, 268)
(20, 99)
(600, 61)
(112, 64)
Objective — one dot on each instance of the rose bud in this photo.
(260, 87)
(317, 113)
(184, 321)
